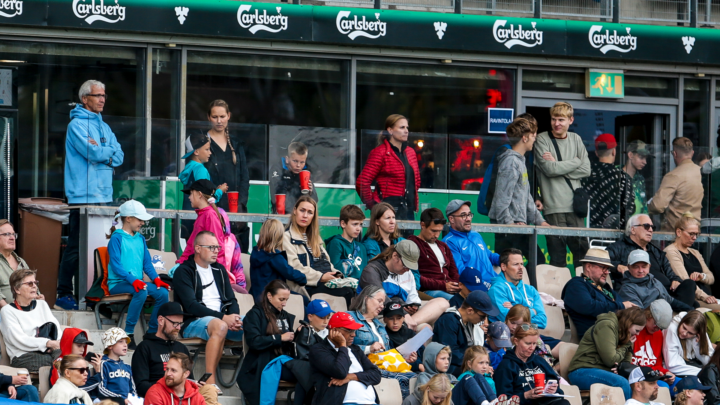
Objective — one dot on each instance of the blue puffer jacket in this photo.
(88, 168)
(469, 250)
(129, 258)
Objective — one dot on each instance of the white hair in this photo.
(633, 221)
(86, 87)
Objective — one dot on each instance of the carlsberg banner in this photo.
(371, 27)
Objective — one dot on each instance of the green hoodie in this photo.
(599, 346)
(348, 257)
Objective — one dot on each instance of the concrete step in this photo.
(227, 400)
(86, 320)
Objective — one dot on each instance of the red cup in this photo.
(233, 200)
(280, 203)
(305, 181)
(539, 380)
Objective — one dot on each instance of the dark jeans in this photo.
(508, 240)
(685, 292)
(402, 213)
(25, 393)
(557, 245)
(287, 375)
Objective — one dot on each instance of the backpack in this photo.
(487, 190)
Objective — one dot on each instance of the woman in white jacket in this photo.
(687, 347)
(73, 372)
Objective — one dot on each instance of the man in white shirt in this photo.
(643, 381)
(202, 287)
(343, 373)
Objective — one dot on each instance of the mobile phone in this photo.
(90, 356)
(205, 377)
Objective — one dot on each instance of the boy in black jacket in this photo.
(337, 360)
(285, 179)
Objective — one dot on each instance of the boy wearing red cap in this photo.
(612, 200)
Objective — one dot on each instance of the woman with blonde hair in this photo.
(687, 347)
(383, 230)
(305, 252)
(688, 263)
(690, 391)
(393, 167)
(268, 262)
(437, 391)
(73, 371)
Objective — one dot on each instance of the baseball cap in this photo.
(319, 308)
(204, 186)
(500, 334)
(193, 142)
(690, 383)
(393, 308)
(605, 142)
(114, 335)
(597, 256)
(472, 279)
(133, 208)
(455, 205)
(343, 320)
(644, 374)
(409, 253)
(662, 313)
(171, 308)
(637, 256)
(638, 147)
(480, 301)
(81, 338)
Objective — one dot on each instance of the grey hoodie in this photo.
(643, 291)
(431, 352)
(513, 200)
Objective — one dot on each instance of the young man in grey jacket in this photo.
(513, 204)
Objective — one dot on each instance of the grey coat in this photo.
(643, 291)
(513, 201)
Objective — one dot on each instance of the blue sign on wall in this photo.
(499, 119)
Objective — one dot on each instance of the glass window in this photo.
(648, 86)
(565, 82)
(696, 101)
(165, 112)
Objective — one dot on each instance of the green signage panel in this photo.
(604, 83)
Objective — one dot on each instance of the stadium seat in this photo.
(574, 338)
(567, 352)
(246, 268)
(245, 302)
(336, 303)
(574, 392)
(555, 322)
(296, 306)
(615, 395)
(551, 279)
(664, 396)
(412, 385)
(388, 392)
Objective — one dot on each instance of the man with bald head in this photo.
(638, 235)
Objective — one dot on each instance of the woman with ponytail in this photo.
(268, 334)
(201, 197)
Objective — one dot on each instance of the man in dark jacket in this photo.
(285, 178)
(339, 365)
(203, 289)
(588, 295)
(638, 235)
(438, 273)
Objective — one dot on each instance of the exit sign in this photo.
(604, 83)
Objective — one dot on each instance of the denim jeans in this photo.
(439, 294)
(26, 393)
(136, 305)
(585, 377)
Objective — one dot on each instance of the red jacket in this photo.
(66, 347)
(384, 167)
(648, 350)
(160, 394)
(432, 277)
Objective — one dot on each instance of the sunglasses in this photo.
(529, 326)
(82, 370)
(648, 227)
(31, 283)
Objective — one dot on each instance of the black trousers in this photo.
(685, 292)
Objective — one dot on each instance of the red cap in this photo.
(343, 320)
(607, 139)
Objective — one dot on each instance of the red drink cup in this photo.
(233, 200)
(305, 181)
(280, 203)
(539, 380)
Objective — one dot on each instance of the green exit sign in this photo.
(604, 83)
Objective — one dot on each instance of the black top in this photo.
(409, 176)
(692, 264)
(222, 170)
(150, 360)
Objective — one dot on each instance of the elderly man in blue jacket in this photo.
(92, 153)
(467, 246)
(508, 290)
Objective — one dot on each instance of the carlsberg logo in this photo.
(255, 22)
(97, 11)
(10, 8)
(516, 36)
(353, 28)
(607, 41)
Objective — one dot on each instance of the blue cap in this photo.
(472, 279)
(319, 308)
(133, 208)
(480, 301)
(690, 383)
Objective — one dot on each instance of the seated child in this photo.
(436, 360)
(475, 385)
(116, 381)
(75, 341)
(435, 392)
(497, 341)
(346, 252)
(399, 332)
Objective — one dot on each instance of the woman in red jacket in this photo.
(393, 166)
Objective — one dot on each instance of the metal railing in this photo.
(672, 11)
(578, 8)
(708, 12)
(501, 6)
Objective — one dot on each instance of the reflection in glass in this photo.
(165, 112)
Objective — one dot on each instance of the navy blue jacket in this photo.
(584, 302)
(448, 330)
(266, 267)
(472, 389)
(514, 377)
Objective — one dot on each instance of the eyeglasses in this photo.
(97, 95)
(692, 234)
(9, 234)
(648, 227)
(464, 215)
(529, 326)
(212, 248)
(176, 325)
(82, 370)
(31, 283)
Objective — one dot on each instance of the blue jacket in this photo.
(584, 302)
(472, 389)
(193, 172)
(448, 331)
(469, 250)
(116, 380)
(266, 267)
(364, 337)
(373, 247)
(495, 356)
(88, 168)
(504, 291)
(271, 379)
(129, 258)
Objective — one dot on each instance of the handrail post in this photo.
(532, 260)
(458, 6)
(538, 8)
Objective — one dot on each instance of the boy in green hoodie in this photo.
(347, 253)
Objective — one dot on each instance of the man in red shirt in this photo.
(648, 347)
